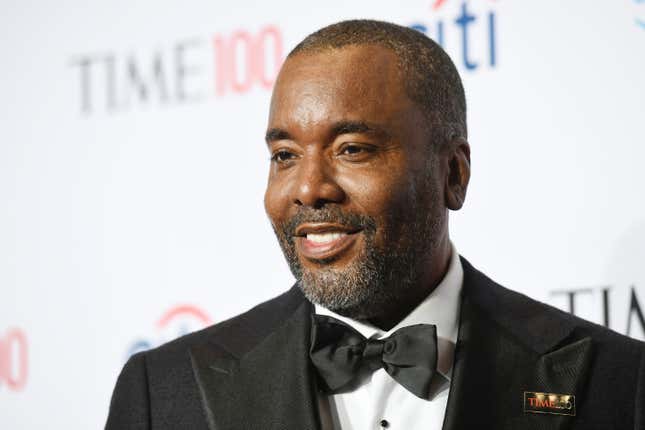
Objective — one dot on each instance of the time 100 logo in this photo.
(13, 359)
(187, 70)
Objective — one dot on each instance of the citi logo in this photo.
(640, 13)
(175, 322)
(466, 30)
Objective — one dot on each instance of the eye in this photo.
(351, 149)
(355, 152)
(282, 156)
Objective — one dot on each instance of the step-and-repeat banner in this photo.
(133, 166)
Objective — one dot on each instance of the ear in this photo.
(458, 173)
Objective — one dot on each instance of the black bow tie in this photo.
(343, 356)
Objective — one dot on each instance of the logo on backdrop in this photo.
(640, 17)
(199, 69)
(14, 360)
(184, 71)
(466, 30)
(175, 322)
(631, 304)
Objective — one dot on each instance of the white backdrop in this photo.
(132, 171)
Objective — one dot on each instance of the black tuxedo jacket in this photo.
(252, 372)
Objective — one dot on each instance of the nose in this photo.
(316, 183)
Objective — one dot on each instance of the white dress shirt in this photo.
(380, 402)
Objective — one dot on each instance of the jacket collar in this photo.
(255, 371)
(515, 313)
(509, 345)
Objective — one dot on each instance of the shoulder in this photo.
(237, 333)
(539, 322)
(159, 383)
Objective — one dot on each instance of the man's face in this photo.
(355, 190)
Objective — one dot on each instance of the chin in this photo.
(355, 287)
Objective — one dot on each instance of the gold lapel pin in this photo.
(549, 403)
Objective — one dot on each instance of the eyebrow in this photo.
(276, 133)
(339, 128)
(347, 127)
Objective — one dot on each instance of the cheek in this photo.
(275, 202)
(385, 196)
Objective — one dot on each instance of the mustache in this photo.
(331, 214)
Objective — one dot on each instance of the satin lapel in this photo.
(269, 387)
(506, 346)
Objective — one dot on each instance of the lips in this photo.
(319, 241)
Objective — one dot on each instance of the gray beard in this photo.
(363, 288)
(376, 278)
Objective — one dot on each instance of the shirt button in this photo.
(384, 424)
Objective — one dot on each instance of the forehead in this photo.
(354, 82)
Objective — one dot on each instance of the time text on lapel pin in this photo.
(549, 403)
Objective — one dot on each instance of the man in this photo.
(387, 327)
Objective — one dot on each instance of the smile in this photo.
(324, 241)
